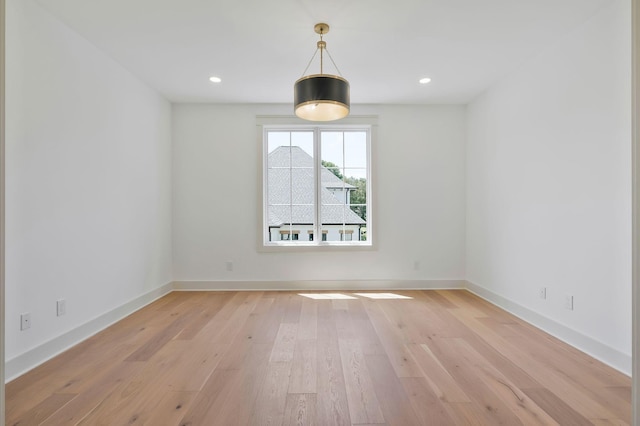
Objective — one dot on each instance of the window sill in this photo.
(300, 247)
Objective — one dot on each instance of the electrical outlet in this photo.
(61, 307)
(416, 265)
(568, 302)
(229, 265)
(25, 321)
(542, 292)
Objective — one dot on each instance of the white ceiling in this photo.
(260, 47)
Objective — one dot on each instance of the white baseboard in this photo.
(608, 355)
(24, 362)
(320, 285)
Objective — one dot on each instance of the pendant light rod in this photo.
(321, 29)
(309, 64)
(322, 47)
(332, 61)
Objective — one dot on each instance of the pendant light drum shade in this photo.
(321, 97)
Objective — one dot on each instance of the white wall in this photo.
(549, 183)
(2, 209)
(418, 191)
(635, 385)
(88, 199)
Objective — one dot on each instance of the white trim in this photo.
(36, 356)
(311, 285)
(598, 350)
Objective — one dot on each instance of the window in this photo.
(346, 234)
(289, 235)
(316, 181)
(324, 235)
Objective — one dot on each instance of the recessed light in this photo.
(215, 79)
(424, 80)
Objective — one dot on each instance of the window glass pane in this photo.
(301, 139)
(301, 185)
(278, 198)
(342, 186)
(357, 188)
(331, 220)
(276, 139)
(304, 141)
(346, 234)
(337, 219)
(331, 146)
(290, 183)
(355, 150)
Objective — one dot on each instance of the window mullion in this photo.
(344, 184)
(290, 185)
(317, 195)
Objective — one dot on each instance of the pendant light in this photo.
(321, 97)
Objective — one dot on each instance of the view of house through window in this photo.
(316, 183)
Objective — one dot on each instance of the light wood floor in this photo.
(208, 358)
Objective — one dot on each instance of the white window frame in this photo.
(368, 125)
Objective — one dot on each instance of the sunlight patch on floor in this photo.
(383, 296)
(326, 296)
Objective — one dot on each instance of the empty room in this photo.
(318, 213)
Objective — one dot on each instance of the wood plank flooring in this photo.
(279, 358)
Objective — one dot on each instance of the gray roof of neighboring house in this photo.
(295, 186)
